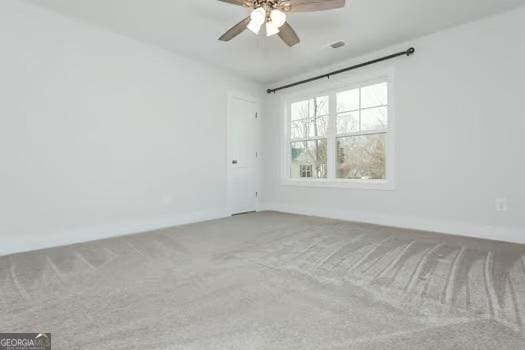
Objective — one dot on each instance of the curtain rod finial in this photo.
(411, 51)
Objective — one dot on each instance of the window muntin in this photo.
(355, 121)
(362, 109)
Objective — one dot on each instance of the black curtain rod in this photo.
(408, 52)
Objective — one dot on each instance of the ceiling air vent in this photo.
(337, 44)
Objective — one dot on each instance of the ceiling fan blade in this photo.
(245, 3)
(235, 30)
(311, 5)
(288, 35)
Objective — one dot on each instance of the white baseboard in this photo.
(22, 243)
(42, 240)
(505, 234)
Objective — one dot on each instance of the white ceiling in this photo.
(191, 27)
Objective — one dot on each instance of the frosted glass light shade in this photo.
(254, 26)
(271, 28)
(278, 18)
(258, 15)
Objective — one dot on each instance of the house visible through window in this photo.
(306, 170)
(341, 135)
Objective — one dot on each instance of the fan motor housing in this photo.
(270, 3)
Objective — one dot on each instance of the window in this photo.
(341, 137)
(362, 123)
(308, 137)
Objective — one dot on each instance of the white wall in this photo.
(460, 138)
(102, 135)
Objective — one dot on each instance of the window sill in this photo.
(347, 184)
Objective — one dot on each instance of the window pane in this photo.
(348, 101)
(348, 123)
(374, 119)
(319, 106)
(298, 130)
(300, 110)
(361, 157)
(308, 153)
(318, 127)
(374, 95)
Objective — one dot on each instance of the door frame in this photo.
(249, 98)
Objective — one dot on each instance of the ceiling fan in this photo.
(273, 14)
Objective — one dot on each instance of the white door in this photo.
(242, 157)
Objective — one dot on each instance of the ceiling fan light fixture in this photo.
(257, 18)
(258, 15)
(278, 18)
(273, 14)
(271, 28)
(254, 27)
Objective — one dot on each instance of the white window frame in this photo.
(331, 89)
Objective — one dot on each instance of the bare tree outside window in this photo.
(361, 157)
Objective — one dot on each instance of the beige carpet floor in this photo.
(270, 281)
